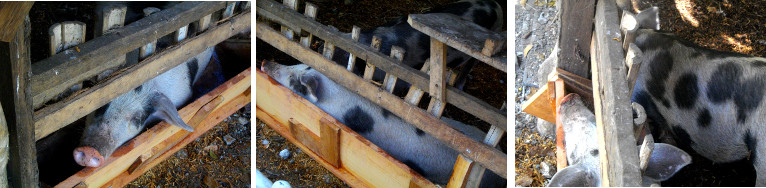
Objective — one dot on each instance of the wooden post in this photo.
(11, 17)
(148, 49)
(351, 57)
(17, 101)
(110, 18)
(576, 28)
(370, 69)
(311, 12)
(292, 4)
(438, 81)
(204, 23)
(228, 11)
(619, 159)
(390, 81)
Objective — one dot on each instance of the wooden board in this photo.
(53, 117)
(362, 163)
(614, 119)
(460, 34)
(489, 157)
(55, 74)
(539, 104)
(11, 17)
(419, 79)
(576, 29)
(14, 94)
(202, 114)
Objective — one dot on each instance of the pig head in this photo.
(711, 101)
(127, 115)
(582, 152)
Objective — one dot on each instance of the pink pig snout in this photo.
(88, 156)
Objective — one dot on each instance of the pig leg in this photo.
(757, 148)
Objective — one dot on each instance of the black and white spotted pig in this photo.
(712, 101)
(421, 152)
(126, 116)
(581, 145)
(398, 32)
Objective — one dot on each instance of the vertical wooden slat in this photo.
(148, 49)
(576, 28)
(370, 69)
(390, 81)
(437, 87)
(110, 18)
(16, 98)
(311, 12)
(415, 94)
(351, 57)
(292, 4)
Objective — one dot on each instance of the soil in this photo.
(734, 26)
(487, 84)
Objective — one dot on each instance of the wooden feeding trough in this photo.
(614, 64)
(25, 86)
(349, 156)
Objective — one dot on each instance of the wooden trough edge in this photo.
(419, 79)
(361, 163)
(53, 117)
(161, 141)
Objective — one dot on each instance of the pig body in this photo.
(486, 13)
(582, 152)
(127, 115)
(408, 144)
(712, 101)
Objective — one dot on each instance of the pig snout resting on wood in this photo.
(582, 152)
(408, 144)
(711, 101)
(398, 32)
(126, 116)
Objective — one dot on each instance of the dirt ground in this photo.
(487, 84)
(722, 25)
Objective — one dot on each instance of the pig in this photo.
(127, 115)
(398, 32)
(421, 152)
(710, 101)
(582, 152)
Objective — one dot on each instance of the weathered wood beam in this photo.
(576, 29)
(487, 156)
(614, 119)
(55, 116)
(419, 79)
(11, 17)
(55, 74)
(463, 35)
(16, 97)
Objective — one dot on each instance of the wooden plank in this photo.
(419, 79)
(53, 117)
(390, 80)
(108, 19)
(561, 157)
(12, 17)
(461, 34)
(538, 104)
(369, 70)
(55, 74)
(460, 172)
(362, 163)
(355, 30)
(438, 82)
(613, 113)
(633, 61)
(576, 28)
(487, 156)
(113, 172)
(14, 94)
(329, 134)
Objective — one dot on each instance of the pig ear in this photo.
(573, 176)
(166, 111)
(665, 161)
(649, 18)
(311, 81)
